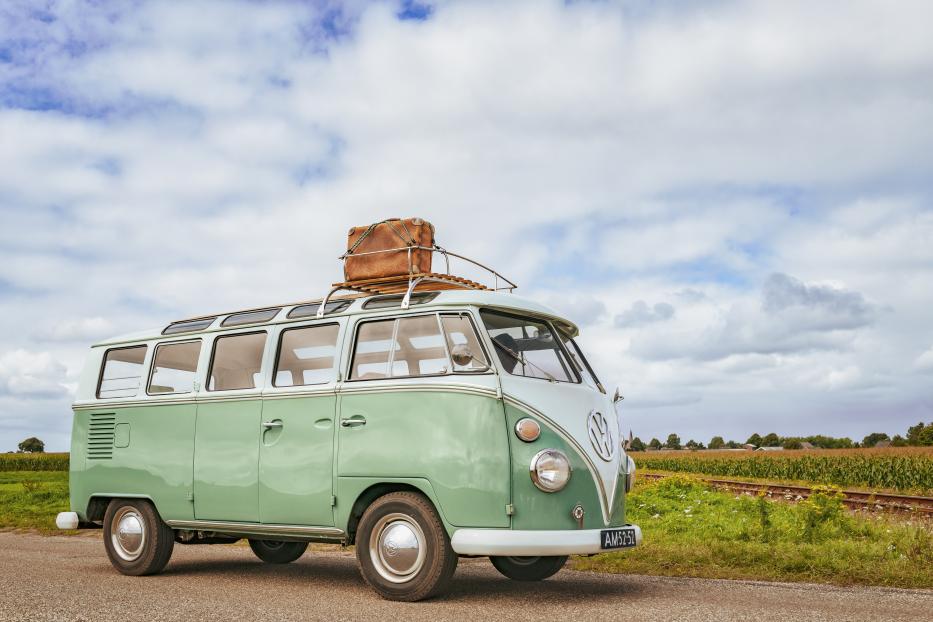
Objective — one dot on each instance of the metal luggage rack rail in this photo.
(429, 281)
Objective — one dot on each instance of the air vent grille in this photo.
(100, 436)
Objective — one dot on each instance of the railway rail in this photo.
(857, 499)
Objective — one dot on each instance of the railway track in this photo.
(856, 499)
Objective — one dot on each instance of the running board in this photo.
(297, 532)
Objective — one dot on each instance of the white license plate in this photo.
(620, 538)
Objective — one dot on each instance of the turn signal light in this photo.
(528, 430)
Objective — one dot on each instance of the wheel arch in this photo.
(97, 505)
(374, 489)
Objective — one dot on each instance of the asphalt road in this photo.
(69, 578)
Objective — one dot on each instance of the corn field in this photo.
(905, 469)
(34, 462)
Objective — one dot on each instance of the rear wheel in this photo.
(136, 539)
(276, 552)
(528, 568)
(403, 548)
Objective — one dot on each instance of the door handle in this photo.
(353, 422)
(271, 424)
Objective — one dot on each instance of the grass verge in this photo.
(693, 531)
(31, 499)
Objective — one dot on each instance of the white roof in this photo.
(453, 297)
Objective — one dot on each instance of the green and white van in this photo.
(420, 428)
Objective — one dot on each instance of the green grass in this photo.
(31, 499)
(691, 530)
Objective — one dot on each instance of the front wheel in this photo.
(276, 552)
(528, 568)
(403, 548)
(136, 539)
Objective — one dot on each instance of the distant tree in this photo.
(792, 443)
(32, 445)
(898, 441)
(754, 439)
(913, 434)
(654, 444)
(637, 445)
(874, 438)
(692, 444)
(734, 445)
(673, 441)
(716, 442)
(926, 435)
(771, 440)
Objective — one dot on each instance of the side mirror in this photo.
(463, 356)
(617, 397)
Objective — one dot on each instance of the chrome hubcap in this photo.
(128, 533)
(397, 548)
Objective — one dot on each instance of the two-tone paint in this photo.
(302, 462)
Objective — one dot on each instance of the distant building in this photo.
(770, 449)
(749, 447)
(806, 445)
(883, 444)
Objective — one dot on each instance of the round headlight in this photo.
(550, 470)
(528, 430)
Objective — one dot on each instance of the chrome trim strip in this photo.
(397, 388)
(564, 434)
(105, 404)
(531, 542)
(344, 389)
(256, 528)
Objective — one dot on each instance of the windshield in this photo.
(527, 347)
(579, 362)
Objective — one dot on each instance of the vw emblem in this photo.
(601, 435)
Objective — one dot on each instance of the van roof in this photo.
(453, 297)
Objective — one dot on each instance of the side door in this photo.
(226, 446)
(408, 411)
(296, 448)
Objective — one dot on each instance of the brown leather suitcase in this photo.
(395, 233)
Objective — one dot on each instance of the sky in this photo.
(734, 200)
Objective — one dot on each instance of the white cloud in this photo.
(31, 374)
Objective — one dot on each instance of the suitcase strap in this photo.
(409, 242)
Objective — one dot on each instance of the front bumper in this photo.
(531, 542)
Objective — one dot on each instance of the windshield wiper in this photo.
(522, 360)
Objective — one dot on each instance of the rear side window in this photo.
(121, 372)
(527, 347)
(174, 367)
(237, 362)
(306, 356)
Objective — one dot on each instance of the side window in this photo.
(459, 331)
(527, 347)
(121, 372)
(174, 368)
(306, 356)
(411, 346)
(373, 345)
(419, 348)
(237, 362)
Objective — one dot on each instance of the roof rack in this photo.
(426, 281)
